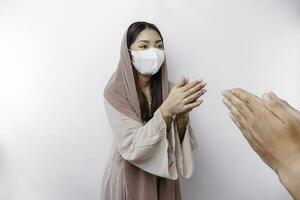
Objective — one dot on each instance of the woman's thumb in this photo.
(181, 82)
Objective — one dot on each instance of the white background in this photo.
(56, 57)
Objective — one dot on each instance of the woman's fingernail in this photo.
(266, 97)
(273, 94)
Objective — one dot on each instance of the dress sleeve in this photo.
(185, 151)
(146, 146)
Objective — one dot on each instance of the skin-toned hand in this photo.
(195, 96)
(183, 118)
(182, 98)
(272, 128)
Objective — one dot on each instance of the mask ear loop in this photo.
(130, 53)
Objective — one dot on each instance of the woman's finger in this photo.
(191, 85)
(181, 82)
(195, 96)
(192, 105)
(195, 89)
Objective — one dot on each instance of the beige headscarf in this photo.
(120, 90)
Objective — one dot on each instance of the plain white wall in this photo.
(56, 56)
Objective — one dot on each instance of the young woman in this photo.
(154, 142)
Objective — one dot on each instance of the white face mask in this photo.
(148, 61)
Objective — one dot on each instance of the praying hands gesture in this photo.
(183, 98)
(272, 128)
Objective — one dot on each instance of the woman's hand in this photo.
(183, 97)
(182, 119)
(272, 128)
(193, 98)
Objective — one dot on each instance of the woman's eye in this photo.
(160, 47)
(143, 47)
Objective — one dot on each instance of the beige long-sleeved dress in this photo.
(148, 147)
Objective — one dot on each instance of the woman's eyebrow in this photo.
(146, 41)
(157, 41)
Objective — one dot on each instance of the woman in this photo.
(153, 139)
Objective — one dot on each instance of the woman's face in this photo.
(148, 38)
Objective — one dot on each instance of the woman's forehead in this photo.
(149, 35)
